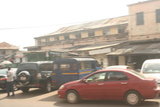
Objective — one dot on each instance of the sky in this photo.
(23, 20)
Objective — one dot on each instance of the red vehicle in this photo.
(110, 84)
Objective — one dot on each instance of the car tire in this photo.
(26, 75)
(72, 97)
(25, 90)
(133, 98)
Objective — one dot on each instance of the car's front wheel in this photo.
(72, 97)
(133, 98)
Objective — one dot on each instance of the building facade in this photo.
(144, 34)
(144, 20)
(93, 39)
(86, 34)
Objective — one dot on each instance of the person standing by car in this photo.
(10, 82)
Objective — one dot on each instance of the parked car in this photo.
(151, 69)
(3, 78)
(35, 75)
(110, 84)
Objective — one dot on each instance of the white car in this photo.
(151, 69)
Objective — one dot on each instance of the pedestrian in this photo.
(10, 82)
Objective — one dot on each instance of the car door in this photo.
(116, 85)
(93, 86)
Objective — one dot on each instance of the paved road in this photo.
(36, 98)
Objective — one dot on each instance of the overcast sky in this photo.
(22, 20)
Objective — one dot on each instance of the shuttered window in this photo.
(140, 18)
(157, 15)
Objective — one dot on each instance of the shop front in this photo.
(135, 54)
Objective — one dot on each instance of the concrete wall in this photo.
(150, 29)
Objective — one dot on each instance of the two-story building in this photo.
(94, 39)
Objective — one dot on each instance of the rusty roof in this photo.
(92, 25)
(5, 45)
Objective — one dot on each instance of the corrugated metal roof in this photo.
(5, 45)
(93, 25)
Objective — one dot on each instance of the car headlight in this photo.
(61, 87)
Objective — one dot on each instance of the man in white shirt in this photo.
(10, 82)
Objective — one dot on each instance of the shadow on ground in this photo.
(30, 94)
(104, 104)
(62, 103)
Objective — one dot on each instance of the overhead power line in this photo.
(25, 27)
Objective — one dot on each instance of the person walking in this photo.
(10, 82)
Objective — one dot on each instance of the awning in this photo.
(100, 51)
(120, 52)
(143, 48)
(99, 46)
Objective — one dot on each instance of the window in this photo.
(64, 67)
(78, 35)
(72, 36)
(66, 37)
(115, 76)
(46, 67)
(56, 38)
(43, 40)
(91, 33)
(106, 32)
(140, 18)
(113, 31)
(157, 15)
(86, 65)
(84, 34)
(98, 77)
(51, 39)
(121, 29)
(74, 67)
(61, 37)
(98, 32)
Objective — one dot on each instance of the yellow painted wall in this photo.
(84, 34)
(98, 32)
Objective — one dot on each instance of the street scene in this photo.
(80, 53)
